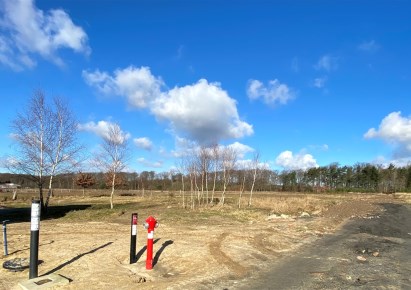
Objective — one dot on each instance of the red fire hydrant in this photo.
(150, 224)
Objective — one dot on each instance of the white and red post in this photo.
(150, 224)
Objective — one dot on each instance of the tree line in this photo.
(361, 177)
(48, 153)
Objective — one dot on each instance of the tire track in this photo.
(222, 258)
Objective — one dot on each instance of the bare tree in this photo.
(191, 168)
(119, 180)
(46, 141)
(229, 159)
(204, 162)
(255, 163)
(63, 147)
(181, 168)
(215, 156)
(243, 175)
(113, 155)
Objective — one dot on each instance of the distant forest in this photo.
(362, 177)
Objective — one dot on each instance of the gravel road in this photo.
(372, 252)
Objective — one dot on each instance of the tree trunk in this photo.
(215, 178)
(252, 186)
(49, 193)
(241, 191)
(206, 184)
(182, 185)
(15, 194)
(225, 179)
(192, 191)
(112, 190)
(43, 208)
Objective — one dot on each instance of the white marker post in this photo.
(34, 238)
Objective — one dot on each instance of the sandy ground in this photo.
(95, 255)
(366, 253)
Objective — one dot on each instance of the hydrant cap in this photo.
(151, 219)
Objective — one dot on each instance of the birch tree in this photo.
(254, 163)
(63, 151)
(204, 162)
(46, 141)
(229, 159)
(113, 155)
(215, 156)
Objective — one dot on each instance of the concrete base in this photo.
(44, 282)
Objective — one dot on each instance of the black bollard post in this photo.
(133, 242)
(34, 238)
(6, 252)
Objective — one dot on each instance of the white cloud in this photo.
(138, 85)
(185, 147)
(399, 162)
(151, 164)
(26, 31)
(369, 46)
(240, 149)
(248, 163)
(319, 82)
(289, 161)
(327, 63)
(275, 92)
(101, 129)
(394, 129)
(203, 112)
(143, 143)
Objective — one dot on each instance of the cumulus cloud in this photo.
(274, 93)
(151, 164)
(289, 161)
(143, 143)
(320, 82)
(102, 129)
(185, 147)
(203, 112)
(369, 46)
(240, 149)
(394, 129)
(327, 63)
(26, 31)
(138, 85)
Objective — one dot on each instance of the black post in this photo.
(133, 242)
(34, 238)
(6, 252)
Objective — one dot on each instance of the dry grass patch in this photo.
(294, 204)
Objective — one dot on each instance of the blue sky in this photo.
(305, 83)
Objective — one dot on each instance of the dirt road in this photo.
(367, 253)
(222, 248)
